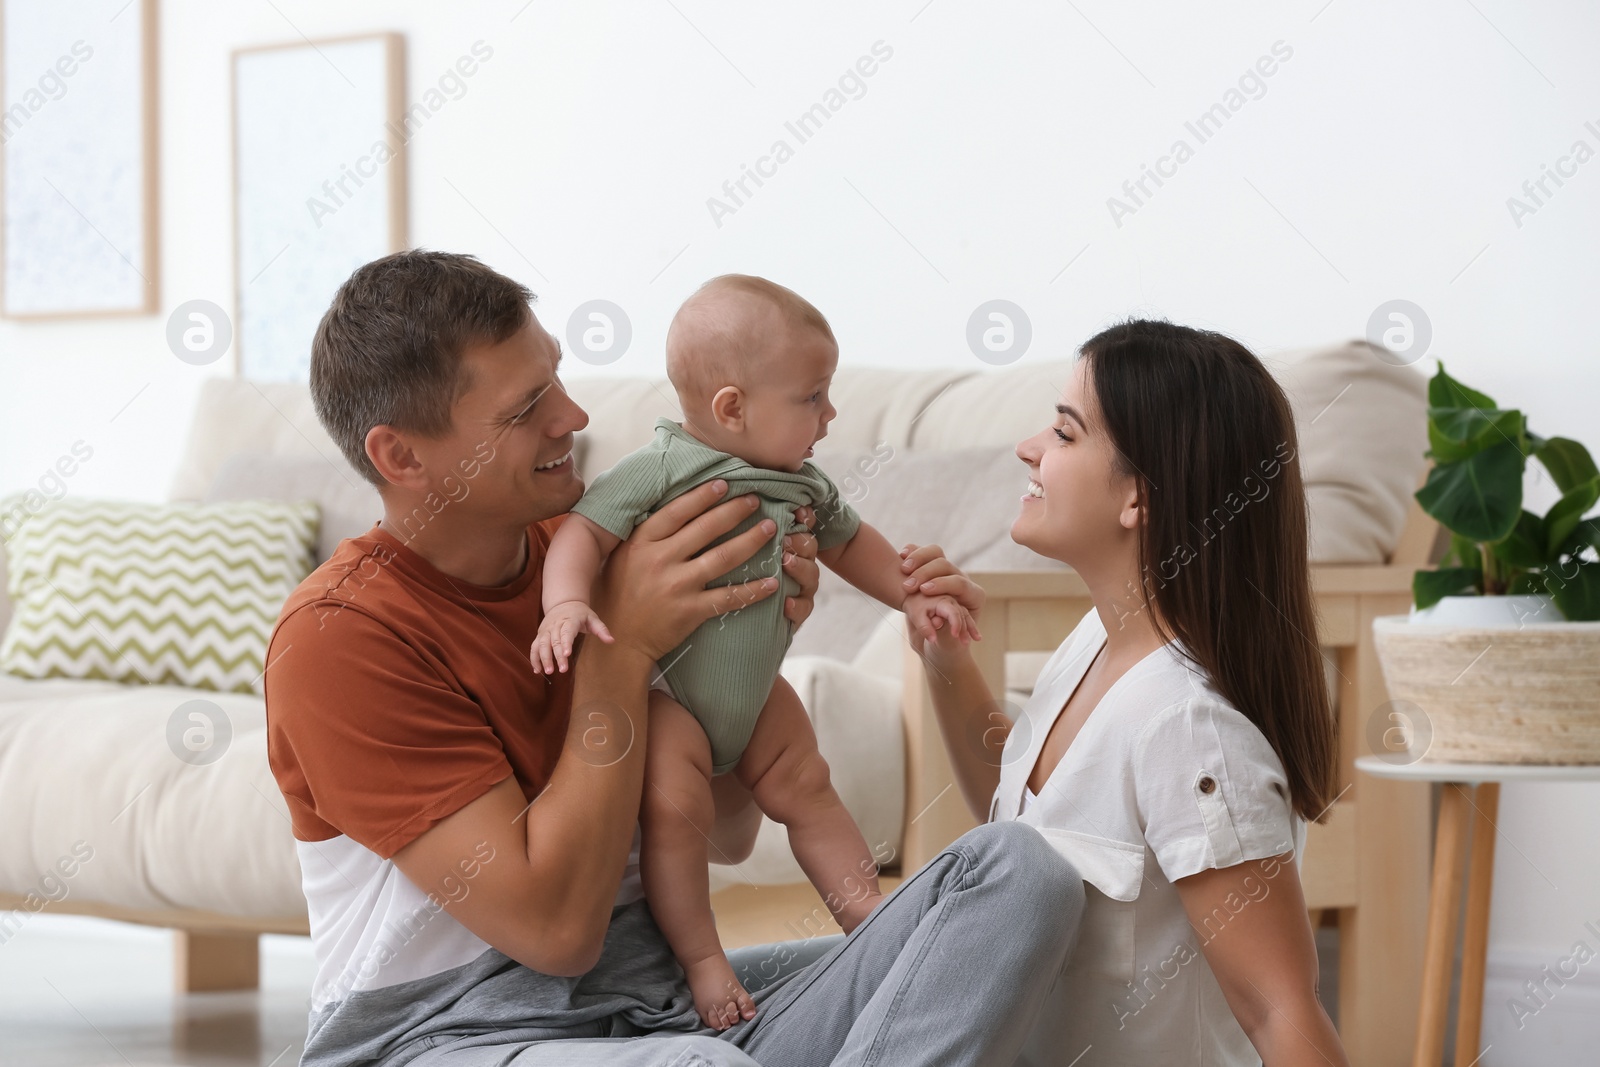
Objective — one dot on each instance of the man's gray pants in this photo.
(950, 969)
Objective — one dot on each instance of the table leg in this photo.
(1475, 941)
(1439, 956)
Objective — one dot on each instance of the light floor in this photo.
(79, 992)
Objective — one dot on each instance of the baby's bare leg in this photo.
(676, 817)
(739, 821)
(790, 781)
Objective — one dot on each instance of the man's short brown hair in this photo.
(388, 350)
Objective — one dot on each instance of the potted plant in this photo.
(1501, 654)
(1497, 547)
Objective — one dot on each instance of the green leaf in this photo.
(1445, 392)
(1479, 498)
(1568, 462)
(1585, 535)
(1565, 514)
(1524, 546)
(1430, 587)
(1526, 584)
(1462, 552)
(1575, 587)
(1455, 434)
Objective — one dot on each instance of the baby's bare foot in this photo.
(718, 996)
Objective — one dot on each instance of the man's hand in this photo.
(546, 899)
(800, 563)
(653, 587)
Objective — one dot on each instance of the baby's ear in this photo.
(728, 407)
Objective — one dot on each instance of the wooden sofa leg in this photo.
(210, 963)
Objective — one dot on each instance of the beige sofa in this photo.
(925, 455)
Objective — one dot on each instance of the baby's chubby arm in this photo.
(578, 549)
(868, 562)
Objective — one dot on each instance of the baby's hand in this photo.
(928, 614)
(561, 625)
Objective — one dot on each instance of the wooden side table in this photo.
(1468, 808)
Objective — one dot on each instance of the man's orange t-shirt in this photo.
(396, 694)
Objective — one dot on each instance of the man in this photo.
(464, 825)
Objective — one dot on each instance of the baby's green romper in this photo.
(723, 672)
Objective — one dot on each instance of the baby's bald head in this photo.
(729, 330)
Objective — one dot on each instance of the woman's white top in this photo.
(1164, 779)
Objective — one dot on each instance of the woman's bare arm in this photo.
(972, 724)
(1251, 923)
(971, 721)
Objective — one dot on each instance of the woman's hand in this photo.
(962, 702)
(929, 572)
(800, 563)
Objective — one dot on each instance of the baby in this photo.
(751, 362)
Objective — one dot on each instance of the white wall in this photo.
(977, 164)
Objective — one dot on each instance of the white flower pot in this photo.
(1490, 612)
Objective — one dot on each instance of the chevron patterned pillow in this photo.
(166, 594)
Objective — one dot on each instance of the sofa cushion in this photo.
(875, 404)
(5, 594)
(233, 415)
(159, 593)
(158, 818)
(349, 504)
(995, 407)
(622, 417)
(1363, 429)
(1361, 423)
(170, 825)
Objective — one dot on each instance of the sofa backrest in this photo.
(1361, 423)
(235, 416)
(1360, 420)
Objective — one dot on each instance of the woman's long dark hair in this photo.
(1209, 438)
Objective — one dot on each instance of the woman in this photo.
(1178, 740)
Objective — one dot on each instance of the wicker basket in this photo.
(1529, 695)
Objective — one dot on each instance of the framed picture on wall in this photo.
(78, 231)
(319, 186)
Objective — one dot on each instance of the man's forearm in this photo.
(583, 822)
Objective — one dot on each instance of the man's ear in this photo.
(395, 459)
(728, 408)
